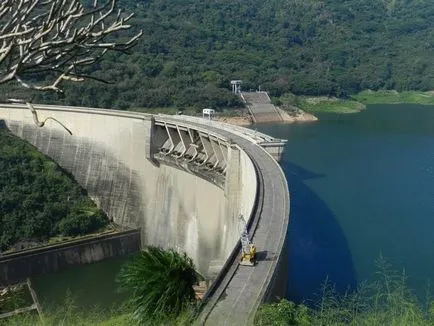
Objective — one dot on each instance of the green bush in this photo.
(80, 224)
(160, 283)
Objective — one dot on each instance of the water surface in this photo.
(361, 185)
(89, 286)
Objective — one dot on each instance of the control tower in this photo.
(236, 86)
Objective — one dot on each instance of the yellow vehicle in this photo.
(249, 258)
(248, 251)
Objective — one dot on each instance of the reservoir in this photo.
(89, 287)
(361, 185)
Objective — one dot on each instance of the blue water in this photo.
(361, 185)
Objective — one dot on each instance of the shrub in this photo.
(160, 283)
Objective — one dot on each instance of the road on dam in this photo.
(244, 288)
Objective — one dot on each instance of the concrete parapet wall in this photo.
(18, 266)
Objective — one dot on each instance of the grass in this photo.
(393, 97)
(70, 315)
(331, 105)
(291, 102)
(385, 301)
(355, 103)
(94, 318)
(66, 317)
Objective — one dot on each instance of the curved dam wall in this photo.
(119, 158)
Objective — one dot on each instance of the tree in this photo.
(37, 201)
(46, 42)
(161, 284)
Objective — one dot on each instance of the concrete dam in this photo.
(183, 181)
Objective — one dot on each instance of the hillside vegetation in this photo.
(37, 199)
(191, 49)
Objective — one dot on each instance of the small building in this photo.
(208, 114)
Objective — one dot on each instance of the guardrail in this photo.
(231, 265)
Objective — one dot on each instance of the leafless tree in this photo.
(57, 39)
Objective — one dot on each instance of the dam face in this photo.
(184, 182)
(111, 156)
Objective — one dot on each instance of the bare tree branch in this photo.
(57, 39)
(35, 115)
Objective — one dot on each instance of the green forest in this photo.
(191, 49)
(38, 200)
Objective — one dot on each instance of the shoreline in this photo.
(299, 117)
(355, 103)
(246, 120)
(394, 97)
(241, 121)
(302, 109)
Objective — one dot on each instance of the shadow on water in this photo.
(317, 247)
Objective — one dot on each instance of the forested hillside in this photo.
(192, 48)
(37, 200)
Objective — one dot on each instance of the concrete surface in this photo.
(138, 168)
(261, 108)
(18, 266)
